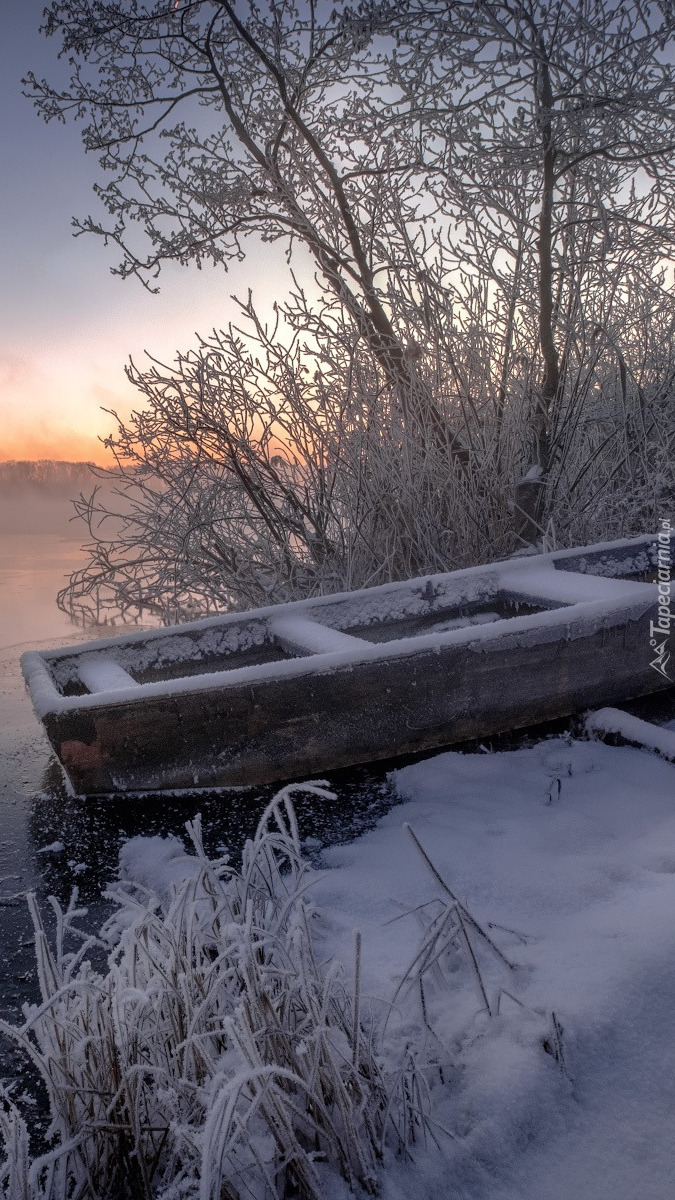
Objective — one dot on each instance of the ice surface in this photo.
(615, 559)
(160, 649)
(412, 598)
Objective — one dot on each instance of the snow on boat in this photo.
(295, 689)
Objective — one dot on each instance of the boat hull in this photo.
(362, 701)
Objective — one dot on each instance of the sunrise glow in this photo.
(53, 405)
(66, 445)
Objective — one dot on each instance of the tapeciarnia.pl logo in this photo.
(659, 630)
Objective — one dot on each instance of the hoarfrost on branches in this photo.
(475, 352)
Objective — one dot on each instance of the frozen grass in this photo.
(217, 1057)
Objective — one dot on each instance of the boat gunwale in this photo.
(631, 601)
(264, 612)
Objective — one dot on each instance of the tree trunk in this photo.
(530, 489)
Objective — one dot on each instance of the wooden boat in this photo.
(292, 690)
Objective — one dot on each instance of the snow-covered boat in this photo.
(295, 689)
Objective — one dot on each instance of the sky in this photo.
(67, 325)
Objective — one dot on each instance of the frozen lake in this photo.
(32, 568)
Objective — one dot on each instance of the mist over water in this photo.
(33, 567)
(40, 546)
(38, 550)
(26, 511)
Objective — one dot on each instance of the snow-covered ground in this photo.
(564, 853)
(572, 846)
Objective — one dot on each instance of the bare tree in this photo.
(261, 467)
(551, 142)
(215, 122)
(257, 470)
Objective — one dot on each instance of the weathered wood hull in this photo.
(357, 700)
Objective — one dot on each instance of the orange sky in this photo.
(56, 380)
(67, 445)
(55, 386)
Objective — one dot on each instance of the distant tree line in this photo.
(44, 475)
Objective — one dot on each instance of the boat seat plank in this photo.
(300, 633)
(568, 587)
(102, 674)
